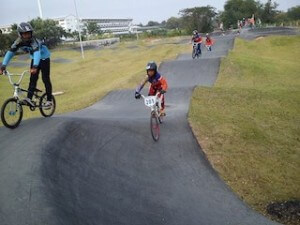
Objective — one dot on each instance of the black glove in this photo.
(162, 92)
(2, 69)
(137, 95)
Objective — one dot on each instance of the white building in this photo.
(115, 26)
(68, 23)
(5, 29)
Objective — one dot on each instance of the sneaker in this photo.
(28, 102)
(47, 105)
(162, 112)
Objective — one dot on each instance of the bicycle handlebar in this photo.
(7, 73)
(143, 96)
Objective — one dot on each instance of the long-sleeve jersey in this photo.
(197, 38)
(157, 81)
(34, 47)
(209, 41)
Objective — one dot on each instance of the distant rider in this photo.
(208, 42)
(158, 84)
(40, 60)
(197, 39)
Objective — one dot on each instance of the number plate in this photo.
(150, 101)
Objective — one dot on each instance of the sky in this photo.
(141, 11)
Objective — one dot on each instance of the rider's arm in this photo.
(36, 46)
(193, 39)
(36, 58)
(164, 84)
(140, 87)
(10, 54)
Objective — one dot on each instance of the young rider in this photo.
(158, 84)
(197, 39)
(40, 56)
(208, 42)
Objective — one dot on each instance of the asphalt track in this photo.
(101, 166)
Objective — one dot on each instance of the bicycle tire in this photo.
(194, 53)
(154, 126)
(47, 112)
(19, 116)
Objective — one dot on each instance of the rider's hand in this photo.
(137, 95)
(2, 70)
(162, 92)
(33, 70)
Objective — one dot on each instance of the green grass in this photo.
(249, 123)
(84, 82)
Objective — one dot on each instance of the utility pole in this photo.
(40, 9)
(79, 30)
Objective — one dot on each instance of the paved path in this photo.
(101, 166)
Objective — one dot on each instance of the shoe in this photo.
(162, 112)
(47, 105)
(28, 102)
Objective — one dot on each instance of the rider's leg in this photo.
(199, 48)
(32, 84)
(45, 68)
(162, 109)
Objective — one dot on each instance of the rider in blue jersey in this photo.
(40, 60)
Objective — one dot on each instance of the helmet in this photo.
(195, 32)
(151, 66)
(207, 34)
(23, 28)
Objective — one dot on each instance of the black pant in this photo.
(44, 66)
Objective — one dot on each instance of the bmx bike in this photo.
(12, 108)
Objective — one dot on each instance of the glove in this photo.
(2, 69)
(162, 92)
(137, 95)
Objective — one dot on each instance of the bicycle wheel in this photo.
(194, 53)
(11, 113)
(160, 118)
(47, 111)
(154, 126)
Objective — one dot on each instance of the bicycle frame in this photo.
(16, 85)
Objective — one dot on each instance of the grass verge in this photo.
(249, 123)
(84, 82)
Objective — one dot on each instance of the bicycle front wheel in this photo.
(47, 111)
(11, 113)
(194, 53)
(154, 126)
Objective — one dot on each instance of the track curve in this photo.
(100, 165)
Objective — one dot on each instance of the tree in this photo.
(281, 17)
(153, 23)
(173, 23)
(92, 28)
(4, 43)
(294, 13)
(269, 12)
(235, 10)
(199, 18)
(48, 30)
(6, 40)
